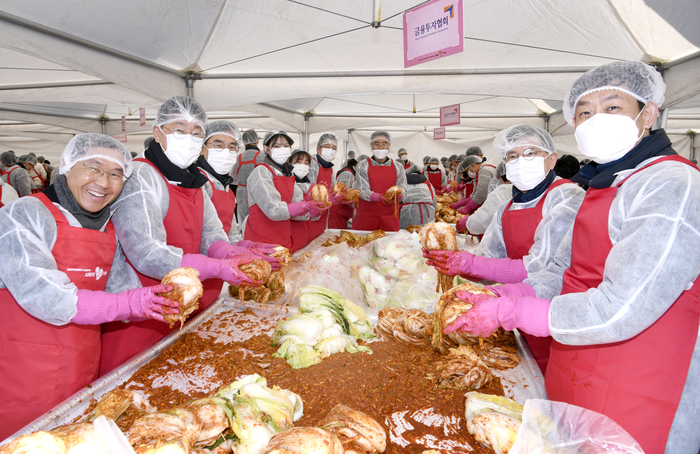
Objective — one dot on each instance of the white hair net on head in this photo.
(520, 136)
(222, 127)
(180, 108)
(501, 169)
(95, 146)
(637, 79)
(380, 134)
(250, 136)
(327, 139)
(435, 160)
(276, 132)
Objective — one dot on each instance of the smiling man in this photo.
(62, 274)
(620, 297)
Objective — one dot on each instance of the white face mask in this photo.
(221, 160)
(471, 174)
(404, 158)
(280, 155)
(380, 154)
(182, 152)
(300, 170)
(433, 166)
(607, 137)
(525, 174)
(328, 154)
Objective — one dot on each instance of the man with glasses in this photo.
(218, 156)
(164, 220)
(62, 274)
(527, 230)
(373, 177)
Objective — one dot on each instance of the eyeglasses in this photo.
(233, 147)
(528, 155)
(179, 134)
(97, 172)
(380, 145)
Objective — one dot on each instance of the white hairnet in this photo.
(431, 160)
(222, 127)
(471, 151)
(466, 162)
(276, 132)
(95, 146)
(377, 134)
(8, 158)
(522, 135)
(326, 139)
(452, 158)
(180, 108)
(250, 136)
(27, 158)
(637, 79)
(501, 169)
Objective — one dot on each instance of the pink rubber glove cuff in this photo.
(375, 197)
(208, 268)
(525, 313)
(503, 270)
(471, 206)
(298, 208)
(335, 198)
(223, 249)
(513, 290)
(462, 224)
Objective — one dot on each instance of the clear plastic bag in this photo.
(551, 427)
(399, 255)
(333, 267)
(415, 292)
(376, 286)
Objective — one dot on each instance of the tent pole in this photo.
(546, 123)
(306, 132)
(377, 13)
(692, 146)
(190, 77)
(103, 124)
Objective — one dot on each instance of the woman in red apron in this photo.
(321, 172)
(529, 228)
(300, 162)
(62, 276)
(481, 175)
(14, 175)
(163, 222)
(374, 177)
(273, 198)
(629, 292)
(436, 177)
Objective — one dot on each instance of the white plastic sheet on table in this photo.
(520, 383)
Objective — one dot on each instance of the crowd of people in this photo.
(595, 257)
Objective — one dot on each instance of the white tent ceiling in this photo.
(319, 65)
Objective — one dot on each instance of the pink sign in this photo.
(123, 123)
(121, 137)
(438, 133)
(142, 116)
(449, 115)
(433, 30)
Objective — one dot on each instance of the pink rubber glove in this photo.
(513, 290)
(527, 313)
(317, 209)
(461, 186)
(223, 249)
(264, 250)
(375, 197)
(226, 269)
(298, 208)
(460, 203)
(335, 197)
(469, 207)
(462, 225)
(400, 197)
(96, 307)
(503, 270)
(307, 196)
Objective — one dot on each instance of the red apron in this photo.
(407, 165)
(183, 225)
(339, 214)
(519, 235)
(300, 232)
(224, 202)
(262, 229)
(325, 177)
(376, 215)
(424, 220)
(242, 163)
(6, 175)
(638, 382)
(42, 364)
(435, 178)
